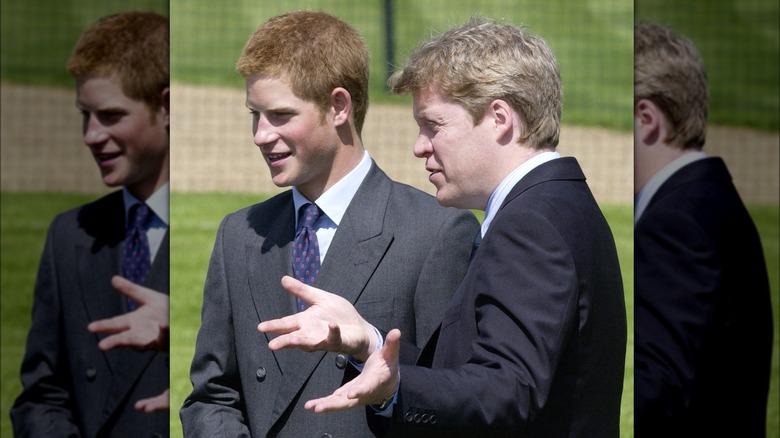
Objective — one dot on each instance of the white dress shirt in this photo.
(159, 203)
(509, 182)
(333, 203)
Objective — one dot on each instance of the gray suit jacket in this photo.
(71, 388)
(397, 256)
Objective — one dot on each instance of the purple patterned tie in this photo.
(306, 250)
(136, 256)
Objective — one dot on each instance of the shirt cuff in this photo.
(387, 412)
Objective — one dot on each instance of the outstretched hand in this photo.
(329, 323)
(377, 382)
(145, 328)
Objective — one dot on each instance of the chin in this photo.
(111, 181)
(281, 182)
(444, 200)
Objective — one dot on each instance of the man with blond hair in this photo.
(386, 248)
(96, 362)
(703, 315)
(533, 342)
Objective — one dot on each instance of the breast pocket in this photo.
(378, 312)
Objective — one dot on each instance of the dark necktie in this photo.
(137, 258)
(306, 249)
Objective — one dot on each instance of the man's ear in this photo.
(341, 103)
(649, 121)
(166, 105)
(503, 121)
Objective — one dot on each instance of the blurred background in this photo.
(215, 167)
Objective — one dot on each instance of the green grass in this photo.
(739, 41)
(24, 220)
(195, 218)
(38, 35)
(592, 41)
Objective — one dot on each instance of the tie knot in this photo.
(309, 216)
(139, 213)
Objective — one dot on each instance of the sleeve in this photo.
(45, 406)
(524, 285)
(443, 271)
(677, 276)
(215, 407)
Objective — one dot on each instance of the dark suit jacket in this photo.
(397, 256)
(534, 340)
(703, 316)
(71, 388)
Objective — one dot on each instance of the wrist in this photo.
(386, 402)
(374, 343)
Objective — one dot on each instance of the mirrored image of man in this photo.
(703, 315)
(96, 358)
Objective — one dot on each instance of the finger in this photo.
(109, 325)
(334, 335)
(113, 341)
(393, 343)
(301, 290)
(154, 404)
(280, 326)
(330, 403)
(284, 341)
(130, 289)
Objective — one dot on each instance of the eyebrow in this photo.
(109, 109)
(283, 108)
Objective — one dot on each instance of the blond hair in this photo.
(669, 72)
(481, 61)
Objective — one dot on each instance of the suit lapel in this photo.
(709, 169)
(360, 241)
(100, 259)
(268, 259)
(565, 168)
(99, 256)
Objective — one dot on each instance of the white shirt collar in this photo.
(159, 203)
(334, 201)
(506, 185)
(647, 191)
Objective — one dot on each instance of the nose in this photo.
(264, 132)
(422, 146)
(95, 133)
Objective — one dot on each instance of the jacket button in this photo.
(341, 361)
(424, 418)
(260, 374)
(409, 417)
(91, 373)
(433, 419)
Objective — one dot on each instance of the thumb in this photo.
(393, 343)
(300, 289)
(128, 288)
